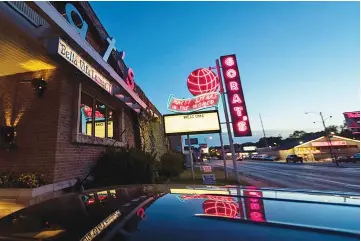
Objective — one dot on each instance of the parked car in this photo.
(294, 159)
(355, 158)
(342, 159)
(148, 212)
(270, 158)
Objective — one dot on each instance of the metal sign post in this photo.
(227, 122)
(190, 156)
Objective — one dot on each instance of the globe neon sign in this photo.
(203, 84)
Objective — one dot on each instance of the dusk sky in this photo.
(293, 56)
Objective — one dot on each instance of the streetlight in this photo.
(328, 137)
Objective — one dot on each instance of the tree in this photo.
(332, 128)
(297, 134)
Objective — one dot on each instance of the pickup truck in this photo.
(294, 159)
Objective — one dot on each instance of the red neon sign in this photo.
(254, 206)
(236, 102)
(192, 104)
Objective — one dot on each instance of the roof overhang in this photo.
(334, 136)
(51, 15)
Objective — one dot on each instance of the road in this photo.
(301, 176)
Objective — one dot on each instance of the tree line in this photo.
(296, 137)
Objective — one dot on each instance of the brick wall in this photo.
(75, 159)
(46, 126)
(35, 119)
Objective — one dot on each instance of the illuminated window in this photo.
(111, 117)
(96, 117)
(86, 114)
(100, 111)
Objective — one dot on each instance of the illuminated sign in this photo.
(236, 101)
(353, 121)
(254, 206)
(249, 148)
(100, 129)
(72, 57)
(199, 102)
(326, 143)
(206, 169)
(202, 81)
(197, 123)
(101, 226)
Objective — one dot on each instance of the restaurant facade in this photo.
(66, 93)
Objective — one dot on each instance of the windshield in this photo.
(102, 101)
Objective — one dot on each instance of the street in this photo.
(323, 176)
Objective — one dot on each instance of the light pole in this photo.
(327, 134)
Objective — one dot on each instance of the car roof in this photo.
(159, 213)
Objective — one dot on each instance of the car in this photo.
(342, 159)
(355, 158)
(294, 159)
(239, 159)
(151, 212)
(270, 158)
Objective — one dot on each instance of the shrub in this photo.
(28, 180)
(171, 164)
(124, 166)
(7, 179)
(25, 180)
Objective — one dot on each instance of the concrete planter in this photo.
(29, 196)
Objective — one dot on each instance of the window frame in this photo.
(116, 118)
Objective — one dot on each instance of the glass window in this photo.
(111, 123)
(96, 118)
(86, 114)
(100, 111)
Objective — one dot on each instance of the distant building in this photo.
(316, 149)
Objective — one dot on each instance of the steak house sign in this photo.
(128, 73)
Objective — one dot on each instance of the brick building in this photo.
(65, 93)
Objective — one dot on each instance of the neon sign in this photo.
(199, 102)
(70, 10)
(236, 101)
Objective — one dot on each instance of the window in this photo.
(96, 118)
(86, 114)
(111, 118)
(100, 117)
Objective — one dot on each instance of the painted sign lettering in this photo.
(72, 57)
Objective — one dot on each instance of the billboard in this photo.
(236, 101)
(196, 123)
(353, 121)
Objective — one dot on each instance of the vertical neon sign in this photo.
(236, 101)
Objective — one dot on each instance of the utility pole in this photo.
(327, 135)
(264, 133)
(328, 139)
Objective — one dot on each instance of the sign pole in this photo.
(223, 156)
(190, 156)
(227, 121)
